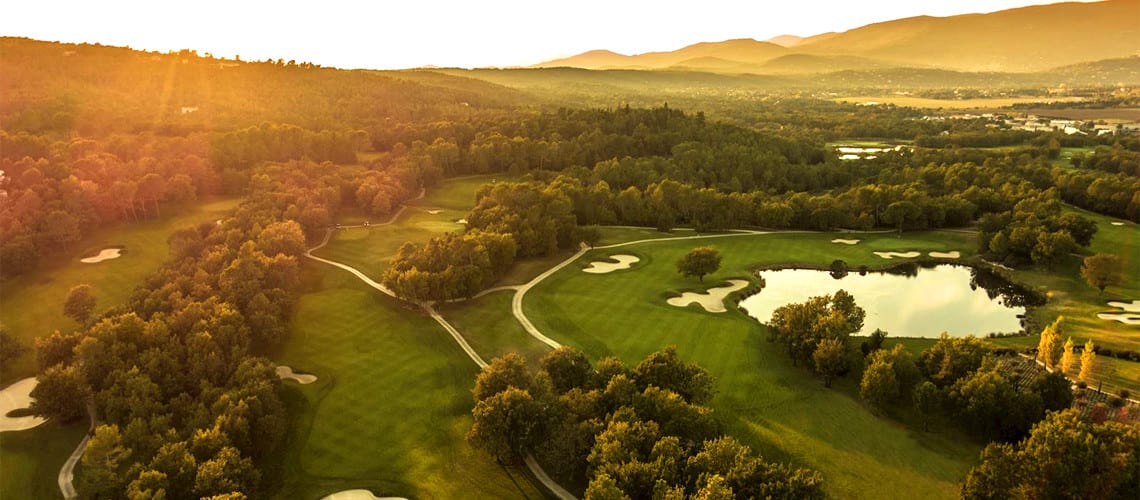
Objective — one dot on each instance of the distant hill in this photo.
(786, 40)
(740, 52)
(1027, 39)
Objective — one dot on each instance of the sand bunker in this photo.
(954, 254)
(712, 300)
(461, 221)
(358, 495)
(603, 267)
(1126, 317)
(1118, 223)
(904, 255)
(434, 212)
(104, 254)
(845, 242)
(15, 397)
(286, 373)
(1133, 306)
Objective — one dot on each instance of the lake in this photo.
(909, 302)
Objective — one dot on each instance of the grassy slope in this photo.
(781, 410)
(32, 305)
(391, 404)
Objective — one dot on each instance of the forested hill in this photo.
(94, 90)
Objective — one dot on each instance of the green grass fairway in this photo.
(391, 404)
(458, 193)
(782, 411)
(32, 459)
(32, 305)
(369, 248)
(491, 329)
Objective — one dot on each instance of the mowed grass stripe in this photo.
(391, 404)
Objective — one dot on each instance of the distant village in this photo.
(1034, 123)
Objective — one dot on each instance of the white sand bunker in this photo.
(286, 373)
(903, 255)
(15, 397)
(434, 212)
(1133, 306)
(712, 300)
(603, 267)
(1118, 223)
(104, 254)
(1126, 317)
(845, 242)
(461, 221)
(953, 254)
(358, 495)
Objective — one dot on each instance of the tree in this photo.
(1055, 389)
(103, 463)
(1066, 356)
(927, 399)
(1063, 457)
(830, 358)
(567, 368)
(1103, 270)
(1049, 348)
(508, 370)
(507, 424)
(879, 385)
(699, 262)
(666, 370)
(80, 303)
(901, 212)
(61, 394)
(1088, 358)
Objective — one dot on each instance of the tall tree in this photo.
(1103, 270)
(1049, 348)
(80, 303)
(1067, 356)
(830, 358)
(699, 262)
(1088, 359)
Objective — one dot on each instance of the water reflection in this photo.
(909, 301)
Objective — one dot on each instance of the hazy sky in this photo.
(384, 34)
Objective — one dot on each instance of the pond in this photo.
(910, 301)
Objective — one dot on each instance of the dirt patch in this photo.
(461, 221)
(712, 300)
(286, 373)
(620, 261)
(15, 397)
(903, 255)
(104, 254)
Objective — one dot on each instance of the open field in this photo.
(32, 459)
(923, 102)
(390, 406)
(31, 305)
(782, 411)
(458, 193)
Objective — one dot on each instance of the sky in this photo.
(382, 34)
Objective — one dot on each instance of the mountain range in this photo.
(1025, 39)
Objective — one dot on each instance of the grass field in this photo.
(31, 305)
(32, 459)
(923, 102)
(783, 411)
(491, 329)
(391, 404)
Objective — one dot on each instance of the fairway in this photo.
(391, 404)
(487, 324)
(31, 305)
(32, 459)
(782, 411)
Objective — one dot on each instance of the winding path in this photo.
(66, 479)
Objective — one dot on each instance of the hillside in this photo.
(98, 89)
(1026, 39)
